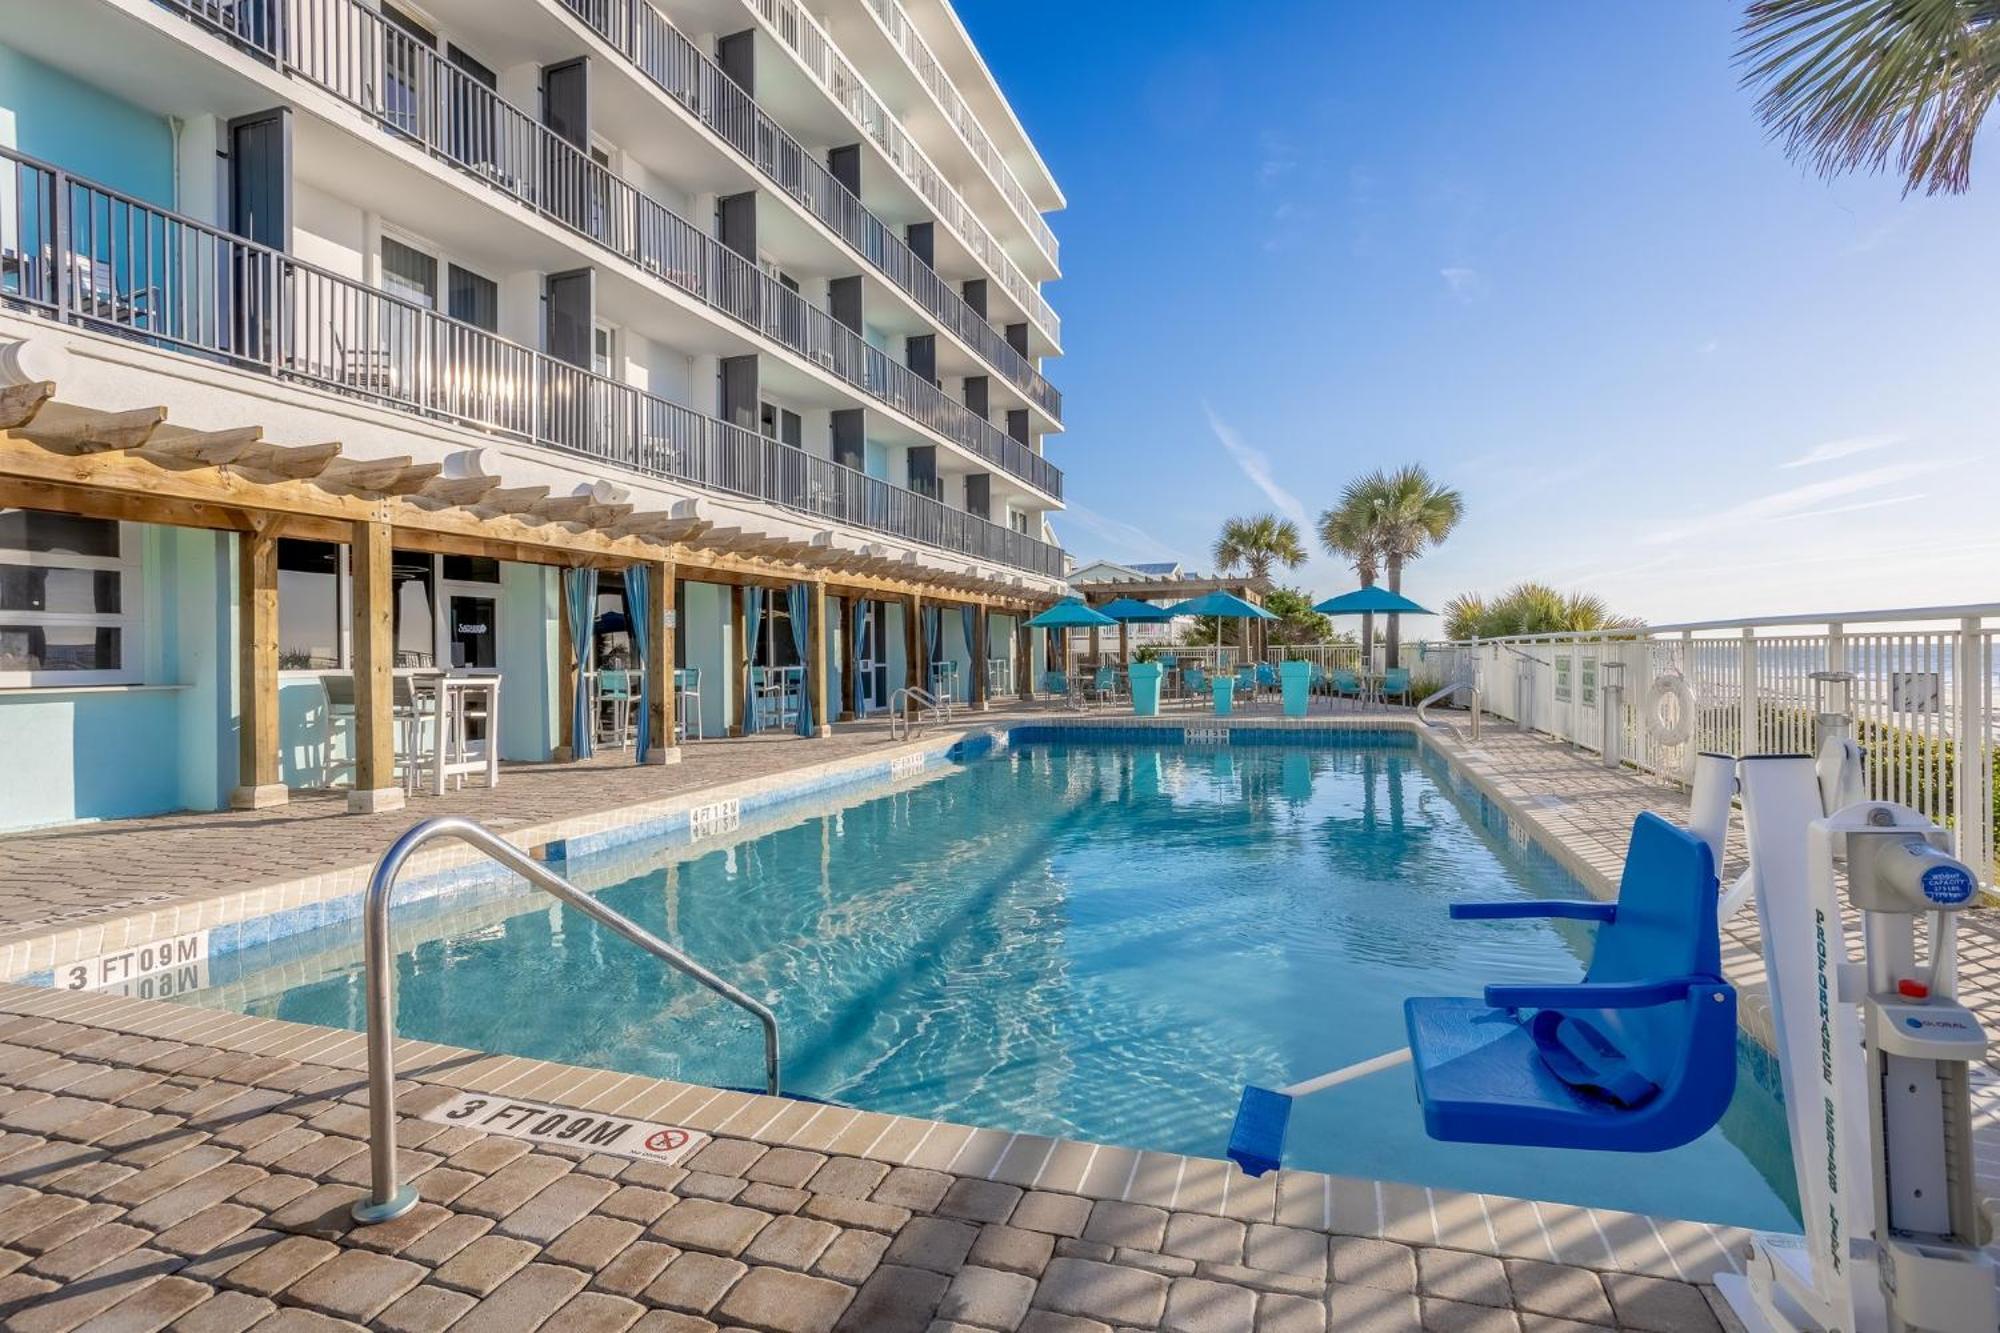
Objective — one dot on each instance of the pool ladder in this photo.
(1462, 682)
(389, 1198)
(928, 708)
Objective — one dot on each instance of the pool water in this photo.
(1097, 942)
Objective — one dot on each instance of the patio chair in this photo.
(1396, 684)
(1267, 676)
(687, 704)
(1104, 684)
(1246, 682)
(1055, 682)
(616, 715)
(1347, 684)
(406, 713)
(1194, 684)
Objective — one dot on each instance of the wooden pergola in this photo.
(1166, 592)
(135, 465)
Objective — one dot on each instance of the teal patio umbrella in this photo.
(1132, 611)
(1223, 606)
(1068, 614)
(1374, 600)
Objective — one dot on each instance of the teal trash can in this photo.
(1225, 695)
(1295, 679)
(1145, 679)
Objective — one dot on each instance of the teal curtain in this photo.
(798, 601)
(858, 614)
(639, 612)
(975, 653)
(753, 627)
(580, 604)
(933, 631)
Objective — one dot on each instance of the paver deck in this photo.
(169, 1165)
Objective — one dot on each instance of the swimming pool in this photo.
(1097, 941)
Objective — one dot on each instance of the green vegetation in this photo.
(1859, 85)
(1382, 522)
(1258, 543)
(1529, 608)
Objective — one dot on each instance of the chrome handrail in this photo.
(1460, 682)
(927, 704)
(389, 1198)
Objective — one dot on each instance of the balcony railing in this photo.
(643, 35)
(85, 254)
(930, 72)
(352, 53)
(798, 30)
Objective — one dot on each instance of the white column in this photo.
(1749, 742)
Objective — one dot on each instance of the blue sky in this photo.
(1543, 248)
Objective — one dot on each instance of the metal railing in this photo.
(1466, 683)
(80, 252)
(930, 72)
(389, 1198)
(910, 707)
(1922, 698)
(837, 76)
(353, 53)
(643, 35)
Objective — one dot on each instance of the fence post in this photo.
(59, 210)
(1972, 804)
(1750, 740)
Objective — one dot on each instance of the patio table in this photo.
(455, 693)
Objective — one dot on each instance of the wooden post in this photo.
(665, 749)
(739, 639)
(375, 788)
(259, 784)
(1124, 644)
(913, 640)
(850, 672)
(822, 657)
(565, 677)
(1024, 658)
(1096, 646)
(977, 650)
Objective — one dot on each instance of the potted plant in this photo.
(1144, 675)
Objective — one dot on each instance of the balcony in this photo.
(837, 76)
(678, 68)
(87, 255)
(348, 50)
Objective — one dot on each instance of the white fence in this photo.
(1922, 698)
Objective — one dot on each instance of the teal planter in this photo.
(1295, 680)
(1145, 681)
(1225, 695)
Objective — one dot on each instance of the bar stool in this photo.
(687, 703)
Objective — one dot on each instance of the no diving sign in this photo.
(569, 1128)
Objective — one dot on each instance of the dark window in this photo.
(63, 591)
(410, 595)
(471, 569)
(308, 605)
(409, 273)
(474, 299)
(59, 648)
(41, 531)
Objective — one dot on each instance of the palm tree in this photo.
(1407, 512)
(1529, 608)
(1863, 84)
(1347, 531)
(1258, 542)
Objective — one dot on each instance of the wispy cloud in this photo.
(1122, 540)
(1276, 158)
(1795, 502)
(1254, 464)
(1833, 450)
(1464, 283)
(1857, 506)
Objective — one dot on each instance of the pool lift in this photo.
(1875, 1053)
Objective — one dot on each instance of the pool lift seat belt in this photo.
(1638, 1057)
(1875, 1053)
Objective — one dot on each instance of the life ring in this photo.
(1670, 723)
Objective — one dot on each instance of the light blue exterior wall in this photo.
(530, 604)
(892, 639)
(957, 650)
(80, 127)
(168, 744)
(876, 460)
(706, 633)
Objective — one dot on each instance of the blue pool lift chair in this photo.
(1638, 1057)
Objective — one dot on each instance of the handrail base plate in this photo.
(367, 1212)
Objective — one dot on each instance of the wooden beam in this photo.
(210, 447)
(578, 509)
(101, 432)
(514, 499)
(260, 782)
(913, 641)
(818, 677)
(375, 786)
(1024, 658)
(288, 463)
(369, 474)
(20, 402)
(459, 490)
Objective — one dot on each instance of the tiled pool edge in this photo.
(1416, 1215)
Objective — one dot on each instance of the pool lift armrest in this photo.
(1596, 994)
(1561, 909)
